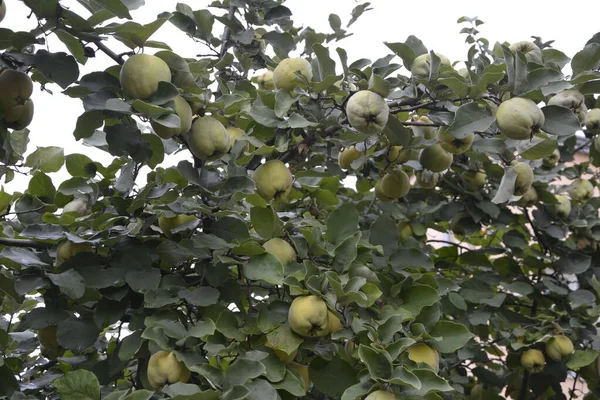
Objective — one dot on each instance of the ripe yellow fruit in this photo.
(280, 249)
(474, 180)
(77, 206)
(592, 120)
(529, 198)
(265, 81)
(519, 118)
(524, 178)
(421, 64)
(273, 180)
(562, 209)
(68, 249)
(208, 139)
(168, 224)
(559, 347)
(19, 117)
(435, 158)
(303, 371)
(552, 159)
(164, 368)
(308, 316)
(533, 360)
(422, 353)
(404, 230)
(367, 112)
(15, 88)
(282, 355)
(427, 132)
(140, 75)
(184, 112)
(395, 184)
(381, 395)
(284, 75)
(47, 337)
(346, 156)
(532, 52)
(452, 144)
(334, 324)
(581, 191)
(398, 155)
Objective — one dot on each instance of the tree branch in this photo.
(118, 58)
(23, 243)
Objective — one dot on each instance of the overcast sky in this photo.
(434, 22)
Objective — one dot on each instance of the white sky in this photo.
(390, 20)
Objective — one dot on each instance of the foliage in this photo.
(515, 275)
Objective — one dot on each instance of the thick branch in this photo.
(118, 58)
(23, 243)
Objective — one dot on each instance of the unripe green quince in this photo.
(2, 10)
(529, 198)
(404, 230)
(532, 52)
(168, 224)
(347, 156)
(280, 249)
(398, 155)
(19, 117)
(474, 180)
(273, 180)
(140, 75)
(284, 75)
(265, 81)
(422, 353)
(562, 209)
(533, 360)
(452, 144)
(435, 158)
(552, 159)
(426, 132)
(184, 112)
(592, 121)
(524, 178)
(571, 99)
(208, 139)
(395, 184)
(581, 191)
(381, 395)
(15, 88)
(427, 179)
(234, 135)
(78, 206)
(164, 368)
(334, 324)
(559, 347)
(308, 316)
(367, 112)
(519, 118)
(421, 65)
(68, 249)
(379, 194)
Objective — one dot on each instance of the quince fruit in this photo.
(184, 112)
(68, 249)
(435, 158)
(280, 249)
(592, 121)
(581, 191)
(168, 224)
(427, 132)
(474, 180)
(398, 155)
(404, 230)
(519, 118)
(15, 88)
(533, 360)
(347, 156)
(427, 179)
(367, 112)
(571, 99)
(559, 347)
(381, 395)
(552, 159)
(140, 75)
(529, 198)
(273, 180)
(308, 316)
(19, 117)
(208, 139)
(562, 209)
(454, 145)
(284, 75)
(164, 368)
(532, 52)
(422, 353)
(265, 81)
(421, 65)
(524, 178)
(395, 184)
(78, 206)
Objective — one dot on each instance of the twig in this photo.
(574, 385)
(118, 58)
(448, 242)
(413, 108)
(23, 243)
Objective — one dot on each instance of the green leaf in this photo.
(586, 59)
(242, 370)
(469, 118)
(264, 267)
(283, 338)
(454, 336)
(581, 358)
(260, 389)
(332, 377)
(46, 159)
(73, 44)
(325, 64)
(230, 229)
(280, 40)
(538, 147)
(430, 382)
(417, 297)
(78, 385)
(410, 258)
(58, 67)
(342, 223)
(80, 165)
(404, 377)
(379, 364)
(41, 186)
(507, 186)
(76, 335)
(116, 7)
(574, 263)
(264, 221)
(560, 121)
(70, 283)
